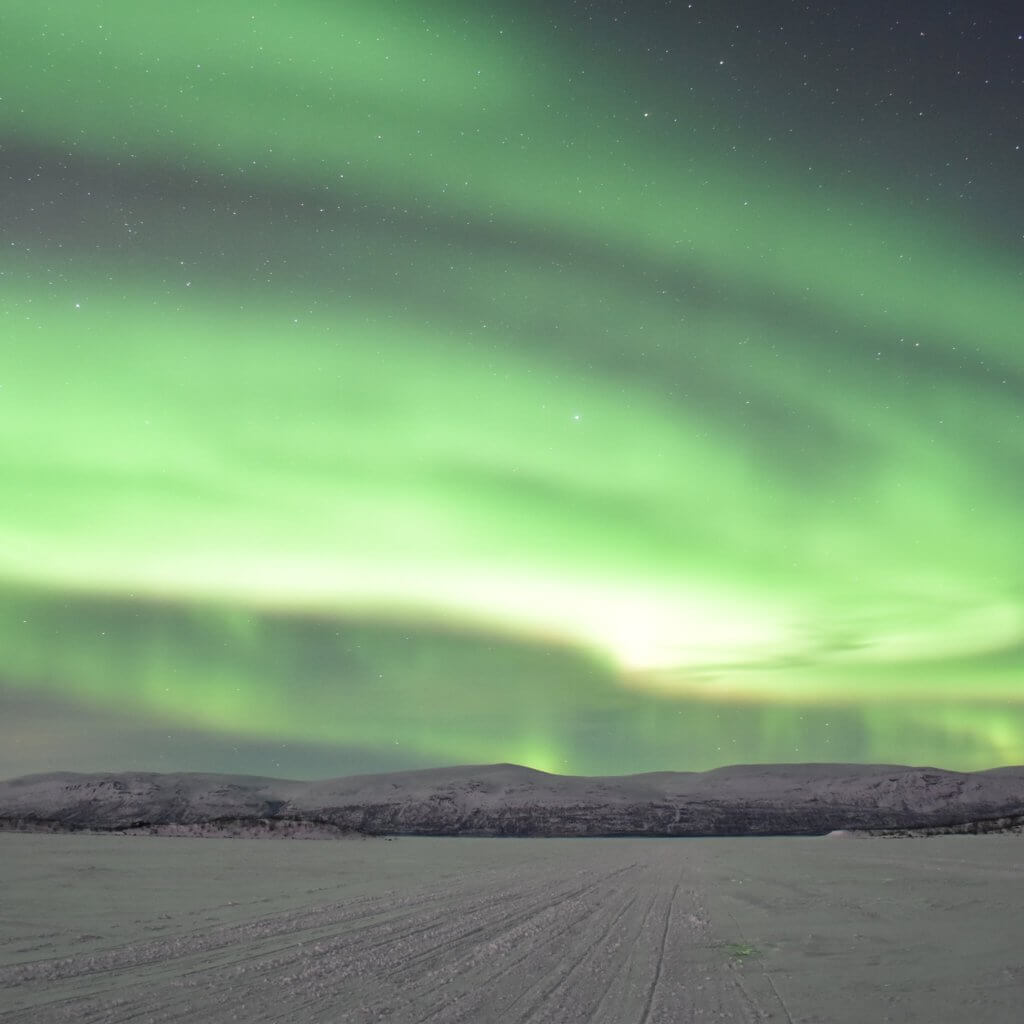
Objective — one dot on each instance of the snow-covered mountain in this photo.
(510, 800)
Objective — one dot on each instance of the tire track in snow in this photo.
(489, 987)
(579, 1002)
(542, 992)
(661, 955)
(621, 977)
(505, 938)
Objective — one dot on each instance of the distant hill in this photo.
(510, 800)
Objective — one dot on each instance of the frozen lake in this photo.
(652, 931)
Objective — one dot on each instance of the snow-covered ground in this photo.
(651, 931)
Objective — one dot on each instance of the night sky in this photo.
(600, 387)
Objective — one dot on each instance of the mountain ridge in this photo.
(514, 800)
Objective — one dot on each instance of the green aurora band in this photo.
(373, 383)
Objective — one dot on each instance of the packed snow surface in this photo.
(519, 931)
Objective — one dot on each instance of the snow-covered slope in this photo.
(507, 799)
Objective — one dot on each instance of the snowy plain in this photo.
(615, 931)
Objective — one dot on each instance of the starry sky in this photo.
(599, 387)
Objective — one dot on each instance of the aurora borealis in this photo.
(595, 388)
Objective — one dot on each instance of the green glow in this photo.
(400, 332)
